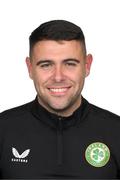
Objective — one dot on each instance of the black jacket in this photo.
(37, 144)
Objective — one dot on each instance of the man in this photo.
(59, 134)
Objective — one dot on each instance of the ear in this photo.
(88, 63)
(29, 67)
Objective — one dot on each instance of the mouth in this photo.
(59, 91)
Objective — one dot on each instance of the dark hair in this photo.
(57, 30)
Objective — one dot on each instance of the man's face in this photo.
(58, 69)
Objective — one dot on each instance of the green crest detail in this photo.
(97, 154)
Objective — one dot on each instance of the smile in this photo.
(59, 90)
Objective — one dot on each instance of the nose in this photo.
(58, 74)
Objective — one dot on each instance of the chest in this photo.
(47, 152)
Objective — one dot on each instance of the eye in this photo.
(46, 65)
(71, 63)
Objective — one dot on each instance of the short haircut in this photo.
(57, 30)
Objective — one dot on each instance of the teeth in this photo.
(59, 90)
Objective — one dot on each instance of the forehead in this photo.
(57, 48)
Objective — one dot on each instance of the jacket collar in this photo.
(55, 121)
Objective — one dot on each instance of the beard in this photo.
(60, 106)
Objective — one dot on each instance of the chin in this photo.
(60, 107)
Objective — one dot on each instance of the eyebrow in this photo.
(51, 61)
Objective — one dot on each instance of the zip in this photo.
(59, 142)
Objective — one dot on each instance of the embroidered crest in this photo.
(97, 154)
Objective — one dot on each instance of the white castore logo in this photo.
(20, 157)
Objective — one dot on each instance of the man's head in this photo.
(58, 65)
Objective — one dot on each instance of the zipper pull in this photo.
(60, 123)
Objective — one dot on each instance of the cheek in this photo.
(79, 75)
(39, 78)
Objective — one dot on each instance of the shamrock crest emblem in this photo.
(97, 154)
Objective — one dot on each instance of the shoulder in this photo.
(104, 114)
(16, 112)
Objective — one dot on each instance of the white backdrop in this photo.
(100, 21)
